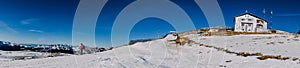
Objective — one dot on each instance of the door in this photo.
(246, 28)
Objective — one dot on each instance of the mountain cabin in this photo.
(248, 22)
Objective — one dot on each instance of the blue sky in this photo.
(50, 21)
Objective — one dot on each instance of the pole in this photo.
(264, 12)
(271, 22)
(158, 33)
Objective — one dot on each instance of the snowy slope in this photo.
(165, 54)
(271, 44)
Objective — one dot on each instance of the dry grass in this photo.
(272, 57)
(237, 33)
(181, 41)
(230, 33)
(245, 54)
(281, 42)
(296, 36)
(273, 43)
(204, 29)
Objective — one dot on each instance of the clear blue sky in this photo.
(50, 21)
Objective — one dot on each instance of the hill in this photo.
(274, 50)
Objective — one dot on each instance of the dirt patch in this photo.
(237, 33)
(273, 43)
(222, 66)
(181, 41)
(284, 36)
(262, 38)
(245, 54)
(272, 57)
(296, 36)
(281, 42)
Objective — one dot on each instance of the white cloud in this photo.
(37, 31)
(4, 26)
(28, 21)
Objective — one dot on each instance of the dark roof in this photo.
(252, 15)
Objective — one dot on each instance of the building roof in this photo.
(251, 15)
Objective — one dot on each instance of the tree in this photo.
(299, 32)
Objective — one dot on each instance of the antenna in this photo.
(158, 33)
(246, 11)
(264, 12)
(271, 22)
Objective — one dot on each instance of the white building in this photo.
(248, 22)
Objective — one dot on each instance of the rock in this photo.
(294, 59)
(222, 66)
(228, 61)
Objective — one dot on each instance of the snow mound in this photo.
(203, 52)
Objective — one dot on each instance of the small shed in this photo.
(249, 22)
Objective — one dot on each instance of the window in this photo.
(249, 19)
(259, 26)
(243, 24)
(243, 19)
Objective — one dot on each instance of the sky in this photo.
(50, 21)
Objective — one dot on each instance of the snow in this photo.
(13, 55)
(165, 54)
(285, 45)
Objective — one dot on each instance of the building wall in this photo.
(263, 29)
(248, 23)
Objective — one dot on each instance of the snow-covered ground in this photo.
(25, 55)
(165, 54)
(274, 44)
